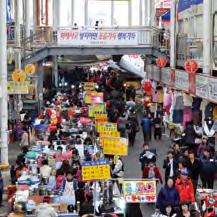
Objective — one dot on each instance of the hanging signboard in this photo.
(95, 37)
(202, 86)
(140, 191)
(95, 170)
(18, 87)
(110, 134)
(95, 108)
(149, 71)
(89, 86)
(106, 127)
(93, 97)
(166, 76)
(182, 80)
(114, 146)
(212, 89)
(156, 73)
(101, 117)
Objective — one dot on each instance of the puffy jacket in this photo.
(186, 190)
(168, 196)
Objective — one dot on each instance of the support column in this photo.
(34, 15)
(56, 14)
(153, 13)
(112, 13)
(3, 83)
(141, 12)
(173, 35)
(55, 71)
(40, 77)
(130, 13)
(72, 12)
(207, 38)
(86, 14)
(27, 18)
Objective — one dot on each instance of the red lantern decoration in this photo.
(191, 66)
(147, 86)
(161, 62)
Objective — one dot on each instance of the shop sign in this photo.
(202, 86)
(114, 146)
(106, 127)
(166, 76)
(110, 134)
(18, 87)
(101, 117)
(89, 86)
(140, 191)
(182, 80)
(18, 75)
(213, 89)
(93, 97)
(156, 73)
(95, 170)
(85, 38)
(96, 108)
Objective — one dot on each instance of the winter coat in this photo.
(207, 167)
(186, 190)
(166, 166)
(156, 172)
(167, 196)
(146, 124)
(190, 135)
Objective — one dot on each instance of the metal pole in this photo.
(55, 71)
(207, 42)
(153, 13)
(3, 82)
(140, 12)
(47, 12)
(148, 11)
(112, 13)
(86, 15)
(27, 18)
(56, 14)
(34, 15)
(130, 13)
(72, 12)
(173, 35)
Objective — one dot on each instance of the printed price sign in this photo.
(96, 108)
(114, 146)
(101, 117)
(140, 191)
(93, 97)
(108, 127)
(110, 134)
(18, 87)
(89, 86)
(95, 170)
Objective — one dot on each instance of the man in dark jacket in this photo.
(146, 124)
(194, 169)
(170, 166)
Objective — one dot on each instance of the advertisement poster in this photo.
(18, 87)
(95, 170)
(93, 97)
(89, 86)
(140, 191)
(79, 38)
(202, 86)
(110, 134)
(114, 146)
(106, 127)
(213, 89)
(182, 80)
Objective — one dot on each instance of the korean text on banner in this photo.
(140, 191)
(74, 37)
(101, 117)
(95, 170)
(18, 87)
(110, 134)
(90, 86)
(114, 146)
(202, 86)
(106, 127)
(213, 89)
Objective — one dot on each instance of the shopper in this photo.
(168, 195)
(146, 124)
(25, 140)
(152, 172)
(185, 187)
(170, 166)
(158, 127)
(169, 212)
(45, 170)
(132, 129)
(194, 169)
(186, 212)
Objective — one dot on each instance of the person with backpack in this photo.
(122, 122)
(132, 129)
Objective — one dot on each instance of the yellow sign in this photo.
(114, 146)
(18, 75)
(89, 86)
(30, 69)
(93, 97)
(96, 108)
(102, 127)
(101, 117)
(110, 134)
(18, 87)
(95, 170)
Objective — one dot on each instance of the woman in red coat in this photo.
(152, 172)
(185, 188)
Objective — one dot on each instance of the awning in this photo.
(166, 17)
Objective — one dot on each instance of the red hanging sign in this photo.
(191, 66)
(161, 62)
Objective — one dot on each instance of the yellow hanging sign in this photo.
(18, 87)
(102, 127)
(18, 75)
(89, 86)
(30, 69)
(110, 134)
